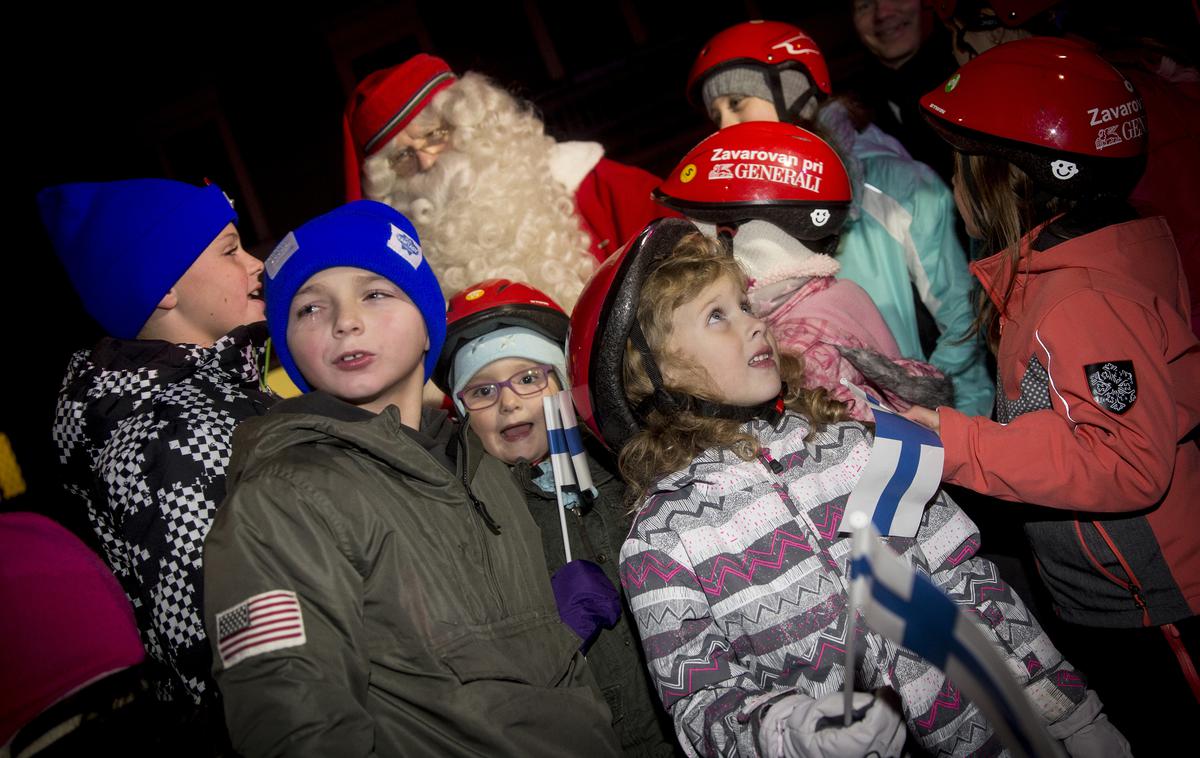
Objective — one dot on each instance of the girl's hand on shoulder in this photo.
(923, 416)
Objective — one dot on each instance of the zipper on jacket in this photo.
(1133, 587)
(775, 466)
(489, 567)
(588, 549)
(1187, 666)
(476, 503)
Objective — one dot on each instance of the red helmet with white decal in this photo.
(1052, 107)
(603, 318)
(772, 46)
(1009, 13)
(494, 304)
(765, 170)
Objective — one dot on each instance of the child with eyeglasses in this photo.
(503, 354)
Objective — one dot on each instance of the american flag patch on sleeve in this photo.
(265, 622)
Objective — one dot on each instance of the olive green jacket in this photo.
(425, 633)
(597, 530)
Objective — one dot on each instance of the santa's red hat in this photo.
(382, 105)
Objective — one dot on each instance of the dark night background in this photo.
(250, 96)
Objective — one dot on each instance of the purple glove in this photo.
(587, 601)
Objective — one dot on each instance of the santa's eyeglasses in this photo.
(406, 162)
(525, 383)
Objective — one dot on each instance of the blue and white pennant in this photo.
(908, 609)
(902, 476)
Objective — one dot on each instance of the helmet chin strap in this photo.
(790, 115)
(672, 403)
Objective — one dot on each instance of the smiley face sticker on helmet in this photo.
(819, 216)
(1063, 169)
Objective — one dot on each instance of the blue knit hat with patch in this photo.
(363, 234)
(125, 244)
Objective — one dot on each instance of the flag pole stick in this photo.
(549, 409)
(859, 523)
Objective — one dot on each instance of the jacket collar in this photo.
(238, 354)
(718, 461)
(1141, 245)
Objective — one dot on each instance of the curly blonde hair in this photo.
(668, 442)
(490, 206)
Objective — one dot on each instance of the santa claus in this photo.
(491, 195)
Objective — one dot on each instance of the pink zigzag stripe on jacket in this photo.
(967, 550)
(829, 526)
(827, 646)
(723, 566)
(637, 576)
(947, 699)
(1068, 679)
(690, 671)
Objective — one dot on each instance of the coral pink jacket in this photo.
(1098, 401)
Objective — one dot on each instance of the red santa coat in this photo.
(1098, 398)
(612, 200)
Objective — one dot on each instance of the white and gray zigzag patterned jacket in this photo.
(736, 575)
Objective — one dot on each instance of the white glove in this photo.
(797, 726)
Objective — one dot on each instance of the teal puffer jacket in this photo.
(904, 240)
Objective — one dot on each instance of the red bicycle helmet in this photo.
(765, 170)
(1009, 13)
(491, 305)
(1052, 107)
(601, 323)
(770, 45)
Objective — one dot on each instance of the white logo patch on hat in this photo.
(1064, 169)
(265, 622)
(405, 246)
(820, 216)
(280, 254)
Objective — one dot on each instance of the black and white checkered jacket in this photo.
(143, 430)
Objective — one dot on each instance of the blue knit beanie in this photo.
(364, 234)
(125, 244)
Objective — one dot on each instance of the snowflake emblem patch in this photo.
(1113, 384)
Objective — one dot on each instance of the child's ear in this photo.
(427, 342)
(170, 300)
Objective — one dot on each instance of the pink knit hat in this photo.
(65, 623)
(382, 105)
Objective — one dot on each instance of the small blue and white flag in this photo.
(902, 476)
(571, 471)
(567, 457)
(574, 440)
(909, 610)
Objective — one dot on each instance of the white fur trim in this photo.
(571, 162)
(769, 255)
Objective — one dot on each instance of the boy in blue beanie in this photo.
(374, 582)
(145, 418)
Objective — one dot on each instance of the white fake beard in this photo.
(500, 215)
